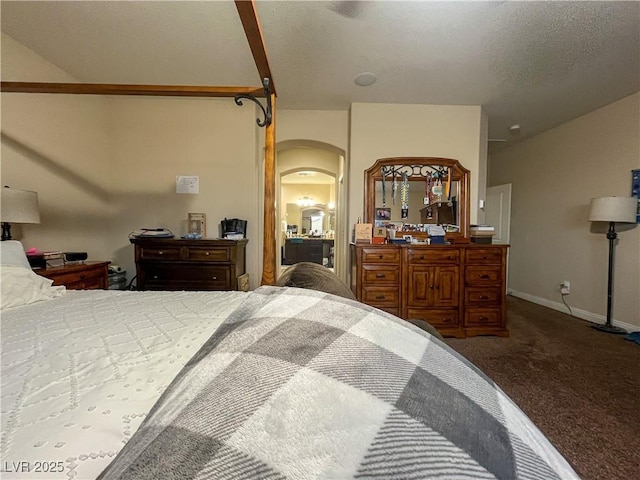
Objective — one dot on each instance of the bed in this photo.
(280, 382)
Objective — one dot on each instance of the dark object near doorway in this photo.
(315, 277)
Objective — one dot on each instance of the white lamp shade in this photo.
(613, 209)
(19, 206)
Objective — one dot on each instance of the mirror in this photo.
(314, 220)
(411, 192)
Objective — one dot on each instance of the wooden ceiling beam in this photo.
(118, 89)
(253, 32)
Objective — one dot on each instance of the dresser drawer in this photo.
(159, 253)
(439, 318)
(482, 317)
(381, 255)
(481, 275)
(381, 296)
(95, 283)
(213, 278)
(435, 255)
(87, 276)
(208, 254)
(483, 255)
(483, 296)
(380, 274)
(78, 277)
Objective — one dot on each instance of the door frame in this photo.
(340, 239)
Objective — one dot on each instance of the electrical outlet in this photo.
(565, 287)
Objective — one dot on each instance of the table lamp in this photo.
(18, 206)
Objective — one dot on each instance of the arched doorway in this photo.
(313, 170)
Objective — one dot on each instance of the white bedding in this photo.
(80, 372)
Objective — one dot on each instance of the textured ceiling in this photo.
(537, 64)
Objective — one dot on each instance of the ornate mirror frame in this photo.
(418, 165)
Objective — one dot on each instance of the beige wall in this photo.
(327, 126)
(156, 139)
(391, 130)
(105, 166)
(58, 146)
(320, 193)
(291, 193)
(554, 176)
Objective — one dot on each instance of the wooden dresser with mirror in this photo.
(458, 287)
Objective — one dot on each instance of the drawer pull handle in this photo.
(431, 287)
(160, 252)
(82, 277)
(380, 257)
(482, 319)
(155, 277)
(484, 297)
(214, 278)
(380, 297)
(421, 257)
(484, 276)
(380, 275)
(206, 253)
(484, 257)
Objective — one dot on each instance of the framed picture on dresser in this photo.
(198, 223)
(383, 213)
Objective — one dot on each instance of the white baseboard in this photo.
(576, 312)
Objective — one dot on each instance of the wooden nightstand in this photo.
(81, 276)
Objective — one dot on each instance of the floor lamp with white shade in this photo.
(612, 210)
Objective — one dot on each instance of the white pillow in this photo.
(20, 286)
(12, 253)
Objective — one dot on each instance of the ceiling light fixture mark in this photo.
(365, 79)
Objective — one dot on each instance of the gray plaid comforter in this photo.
(300, 384)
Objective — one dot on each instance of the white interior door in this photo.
(498, 212)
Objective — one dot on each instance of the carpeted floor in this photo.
(581, 387)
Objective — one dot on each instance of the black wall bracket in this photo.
(265, 111)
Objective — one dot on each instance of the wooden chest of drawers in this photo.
(484, 286)
(459, 289)
(380, 277)
(82, 276)
(177, 264)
